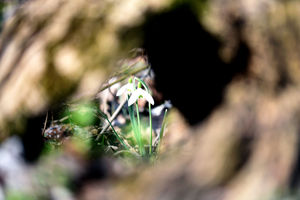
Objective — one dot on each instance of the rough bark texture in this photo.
(246, 148)
(52, 49)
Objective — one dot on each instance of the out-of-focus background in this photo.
(226, 71)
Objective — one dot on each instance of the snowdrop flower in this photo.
(140, 93)
(128, 88)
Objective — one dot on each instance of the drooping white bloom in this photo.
(127, 89)
(140, 93)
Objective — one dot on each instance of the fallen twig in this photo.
(112, 118)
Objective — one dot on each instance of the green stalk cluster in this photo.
(133, 94)
(136, 129)
(150, 116)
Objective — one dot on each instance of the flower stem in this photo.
(150, 116)
(136, 130)
(138, 115)
(150, 124)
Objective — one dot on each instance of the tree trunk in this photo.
(245, 146)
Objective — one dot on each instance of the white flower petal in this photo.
(134, 97)
(122, 90)
(147, 96)
(128, 88)
(140, 91)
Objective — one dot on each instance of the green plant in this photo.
(134, 93)
(84, 120)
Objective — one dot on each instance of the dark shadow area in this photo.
(294, 183)
(32, 139)
(95, 170)
(32, 136)
(185, 59)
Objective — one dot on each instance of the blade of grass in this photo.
(150, 116)
(139, 127)
(112, 118)
(136, 131)
(114, 131)
(138, 116)
(117, 135)
(161, 134)
(45, 124)
(150, 124)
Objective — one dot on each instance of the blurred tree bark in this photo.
(52, 49)
(246, 149)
